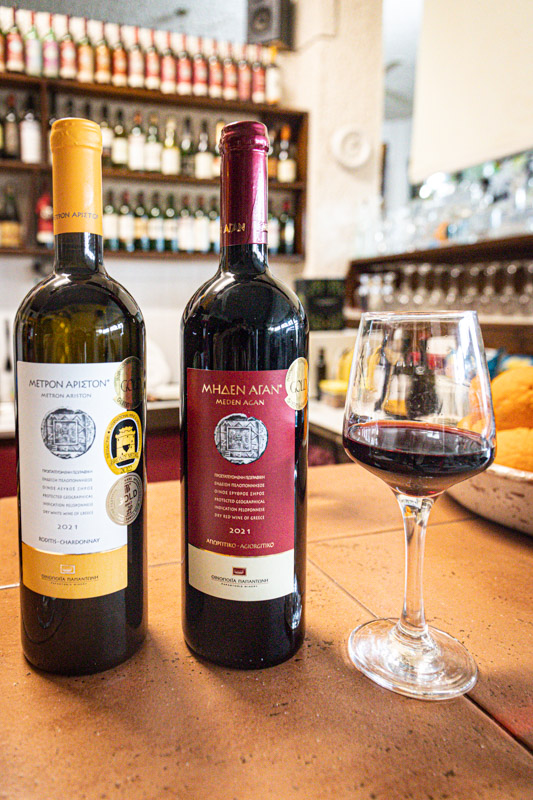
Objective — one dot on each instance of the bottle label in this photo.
(244, 198)
(15, 53)
(77, 185)
(119, 151)
(110, 226)
(30, 141)
(240, 456)
(67, 58)
(170, 230)
(136, 145)
(126, 228)
(34, 57)
(168, 74)
(50, 59)
(152, 156)
(79, 490)
(102, 71)
(170, 161)
(203, 165)
(286, 170)
(136, 68)
(201, 234)
(85, 64)
(215, 78)
(152, 80)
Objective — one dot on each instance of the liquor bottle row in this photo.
(75, 48)
(142, 144)
(135, 225)
(11, 231)
(139, 226)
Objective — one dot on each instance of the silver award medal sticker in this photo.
(124, 499)
(241, 439)
(68, 433)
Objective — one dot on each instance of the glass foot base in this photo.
(434, 666)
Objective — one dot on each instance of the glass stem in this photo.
(415, 512)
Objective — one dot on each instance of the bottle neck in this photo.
(78, 253)
(244, 259)
(243, 209)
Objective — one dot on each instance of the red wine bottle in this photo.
(244, 435)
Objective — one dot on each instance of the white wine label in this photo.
(73, 442)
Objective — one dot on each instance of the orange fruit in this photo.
(514, 448)
(512, 397)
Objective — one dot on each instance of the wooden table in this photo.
(165, 725)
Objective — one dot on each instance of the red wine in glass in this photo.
(417, 458)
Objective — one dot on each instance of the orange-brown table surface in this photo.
(165, 725)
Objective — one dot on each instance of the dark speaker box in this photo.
(271, 22)
(323, 300)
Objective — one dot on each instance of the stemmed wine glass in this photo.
(419, 416)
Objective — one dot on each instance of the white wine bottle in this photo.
(80, 408)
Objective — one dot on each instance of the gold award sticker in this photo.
(123, 443)
(124, 499)
(296, 384)
(129, 383)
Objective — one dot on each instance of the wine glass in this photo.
(419, 416)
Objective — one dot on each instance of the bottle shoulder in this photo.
(63, 291)
(259, 299)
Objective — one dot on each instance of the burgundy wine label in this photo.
(243, 218)
(240, 456)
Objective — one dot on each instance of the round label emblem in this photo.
(241, 439)
(129, 383)
(68, 433)
(123, 443)
(296, 384)
(124, 499)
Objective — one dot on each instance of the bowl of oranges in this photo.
(504, 492)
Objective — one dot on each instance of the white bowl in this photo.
(502, 494)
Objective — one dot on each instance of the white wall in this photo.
(397, 137)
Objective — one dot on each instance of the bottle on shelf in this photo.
(126, 224)
(135, 62)
(10, 222)
(170, 226)
(119, 148)
(286, 169)
(187, 149)
(83, 602)
(214, 69)
(136, 144)
(67, 54)
(273, 231)
(244, 331)
(11, 130)
(183, 67)
(119, 61)
(152, 65)
(85, 57)
(156, 232)
(50, 52)
(170, 156)
(199, 67)
(69, 108)
(258, 75)
(33, 50)
(140, 225)
(244, 73)
(272, 78)
(214, 226)
(2, 53)
(272, 155)
(2, 136)
(168, 66)
(102, 57)
(229, 72)
(286, 230)
(110, 223)
(30, 134)
(201, 228)
(14, 46)
(87, 111)
(216, 155)
(203, 157)
(185, 227)
(108, 136)
(321, 371)
(153, 147)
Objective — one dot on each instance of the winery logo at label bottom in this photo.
(124, 499)
(123, 443)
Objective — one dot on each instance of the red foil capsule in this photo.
(243, 202)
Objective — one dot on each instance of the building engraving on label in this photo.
(68, 433)
(241, 439)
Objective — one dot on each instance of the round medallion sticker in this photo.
(123, 443)
(296, 384)
(129, 383)
(124, 499)
(241, 439)
(67, 433)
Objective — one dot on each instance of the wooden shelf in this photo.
(137, 255)
(8, 164)
(509, 247)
